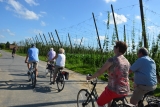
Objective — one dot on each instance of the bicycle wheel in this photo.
(60, 82)
(152, 105)
(33, 79)
(51, 75)
(29, 77)
(82, 97)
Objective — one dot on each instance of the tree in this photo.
(7, 45)
(2, 45)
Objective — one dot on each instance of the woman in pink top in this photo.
(118, 71)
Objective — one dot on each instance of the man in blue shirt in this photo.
(145, 78)
(32, 56)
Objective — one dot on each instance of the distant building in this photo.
(12, 46)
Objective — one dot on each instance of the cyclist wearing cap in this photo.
(145, 79)
(32, 56)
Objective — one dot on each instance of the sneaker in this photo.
(29, 80)
(52, 83)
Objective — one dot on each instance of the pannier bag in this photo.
(66, 74)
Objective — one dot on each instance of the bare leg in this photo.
(36, 72)
(54, 76)
(28, 65)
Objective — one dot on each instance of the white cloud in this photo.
(153, 29)
(107, 1)
(42, 12)
(36, 31)
(21, 11)
(43, 23)
(31, 2)
(1, 0)
(77, 41)
(101, 37)
(1, 36)
(138, 17)
(101, 14)
(9, 32)
(119, 19)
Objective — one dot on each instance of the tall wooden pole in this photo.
(50, 39)
(97, 32)
(70, 42)
(124, 34)
(45, 39)
(58, 38)
(115, 25)
(143, 24)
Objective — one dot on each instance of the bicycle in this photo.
(89, 97)
(32, 74)
(60, 80)
(50, 69)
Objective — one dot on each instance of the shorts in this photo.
(13, 52)
(30, 62)
(56, 69)
(107, 96)
(139, 91)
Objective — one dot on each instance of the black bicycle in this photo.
(50, 69)
(32, 74)
(60, 80)
(86, 98)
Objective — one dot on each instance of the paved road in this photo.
(15, 91)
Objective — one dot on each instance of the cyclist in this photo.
(32, 56)
(13, 51)
(60, 62)
(118, 71)
(50, 55)
(145, 78)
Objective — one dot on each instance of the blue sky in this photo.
(23, 19)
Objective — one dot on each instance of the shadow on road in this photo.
(20, 85)
(47, 104)
(22, 74)
(45, 89)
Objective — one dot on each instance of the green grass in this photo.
(157, 91)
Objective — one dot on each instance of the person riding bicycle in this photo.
(118, 71)
(50, 55)
(32, 56)
(13, 51)
(145, 79)
(60, 62)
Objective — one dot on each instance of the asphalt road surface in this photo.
(15, 91)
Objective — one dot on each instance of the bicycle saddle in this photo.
(149, 93)
(119, 99)
(60, 68)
